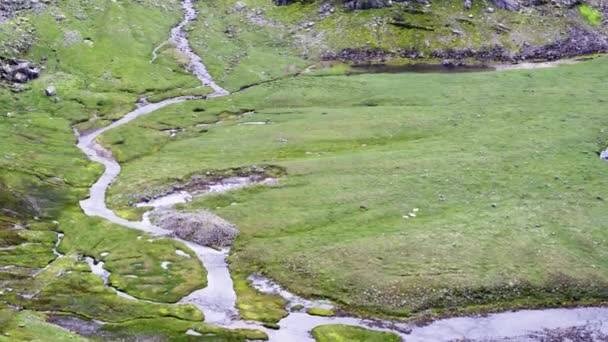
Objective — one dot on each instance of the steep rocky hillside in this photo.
(439, 30)
(298, 32)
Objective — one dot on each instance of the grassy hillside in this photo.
(241, 34)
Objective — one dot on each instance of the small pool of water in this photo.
(417, 68)
(453, 68)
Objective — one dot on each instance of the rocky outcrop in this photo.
(18, 71)
(358, 55)
(350, 5)
(578, 42)
(9, 8)
(201, 227)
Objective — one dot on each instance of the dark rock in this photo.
(16, 70)
(357, 55)
(509, 5)
(326, 9)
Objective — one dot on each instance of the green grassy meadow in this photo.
(399, 195)
(500, 170)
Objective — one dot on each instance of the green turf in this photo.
(321, 312)
(239, 53)
(175, 330)
(257, 306)
(344, 333)
(507, 195)
(70, 287)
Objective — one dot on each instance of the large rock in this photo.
(18, 71)
(202, 226)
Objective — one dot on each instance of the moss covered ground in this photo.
(175, 330)
(97, 55)
(343, 333)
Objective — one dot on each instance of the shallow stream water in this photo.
(218, 300)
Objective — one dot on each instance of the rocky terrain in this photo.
(18, 71)
(473, 31)
(376, 31)
(9, 8)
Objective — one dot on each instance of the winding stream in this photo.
(218, 300)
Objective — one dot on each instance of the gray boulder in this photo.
(50, 91)
(201, 227)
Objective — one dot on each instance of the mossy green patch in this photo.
(590, 14)
(135, 258)
(132, 213)
(70, 287)
(297, 307)
(344, 333)
(256, 306)
(175, 330)
(321, 312)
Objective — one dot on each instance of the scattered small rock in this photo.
(50, 91)
(240, 6)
